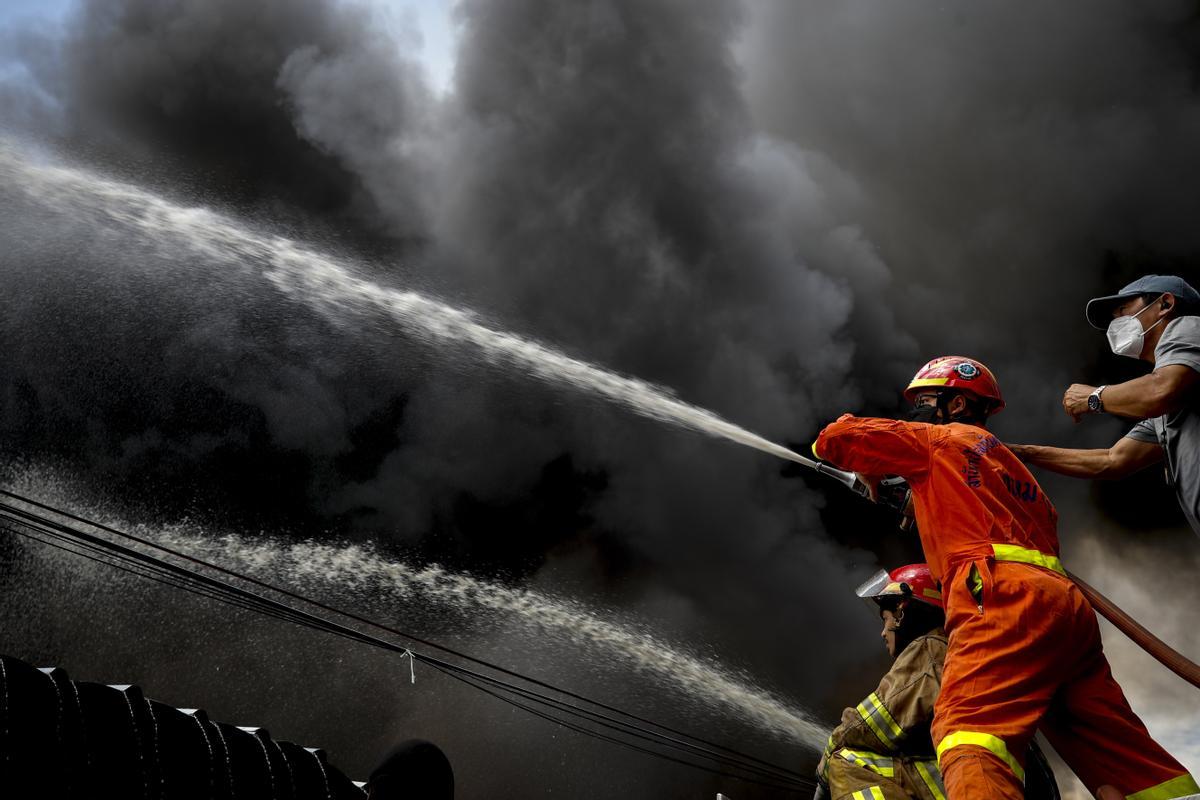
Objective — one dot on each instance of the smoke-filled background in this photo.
(777, 209)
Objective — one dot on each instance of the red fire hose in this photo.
(1164, 653)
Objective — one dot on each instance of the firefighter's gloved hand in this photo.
(894, 493)
(871, 482)
(822, 792)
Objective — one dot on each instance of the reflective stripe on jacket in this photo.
(971, 494)
(851, 773)
(884, 741)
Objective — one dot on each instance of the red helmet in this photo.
(961, 373)
(913, 581)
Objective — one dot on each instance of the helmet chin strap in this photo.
(943, 407)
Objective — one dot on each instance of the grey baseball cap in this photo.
(1099, 310)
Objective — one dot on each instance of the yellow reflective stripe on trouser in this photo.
(987, 741)
(870, 793)
(880, 765)
(932, 776)
(1023, 555)
(1179, 788)
(876, 715)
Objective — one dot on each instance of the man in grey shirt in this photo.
(1150, 319)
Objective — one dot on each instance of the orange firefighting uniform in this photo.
(1024, 647)
(882, 747)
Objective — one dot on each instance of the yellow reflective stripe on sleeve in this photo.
(885, 715)
(1023, 555)
(814, 450)
(877, 717)
(988, 742)
(868, 715)
(829, 746)
(879, 764)
(1182, 787)
(929, 772)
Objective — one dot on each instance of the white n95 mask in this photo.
(1125, 334)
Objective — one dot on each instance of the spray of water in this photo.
(330, 284)
(357, 571)
(321, 567)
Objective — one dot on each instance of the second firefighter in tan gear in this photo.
(882, 749)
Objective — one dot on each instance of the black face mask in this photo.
(924, 414)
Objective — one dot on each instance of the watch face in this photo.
(1093, 402)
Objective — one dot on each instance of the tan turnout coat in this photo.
(882, 749)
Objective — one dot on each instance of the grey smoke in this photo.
(998, 155)
(778, 210)
(640, 238)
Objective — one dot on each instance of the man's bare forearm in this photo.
(1163, 391)
(1067, 461)
(1148, 396)
(1125, 457)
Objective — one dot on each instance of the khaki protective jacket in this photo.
(882, 749)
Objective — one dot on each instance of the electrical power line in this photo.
(561, 706)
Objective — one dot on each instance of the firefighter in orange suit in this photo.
(882, 747)
(1024, 647)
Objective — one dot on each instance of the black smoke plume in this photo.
(778, 210)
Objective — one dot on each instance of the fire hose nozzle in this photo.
(892, 492)
(847, 479)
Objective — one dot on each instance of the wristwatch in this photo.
(1095, 404)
